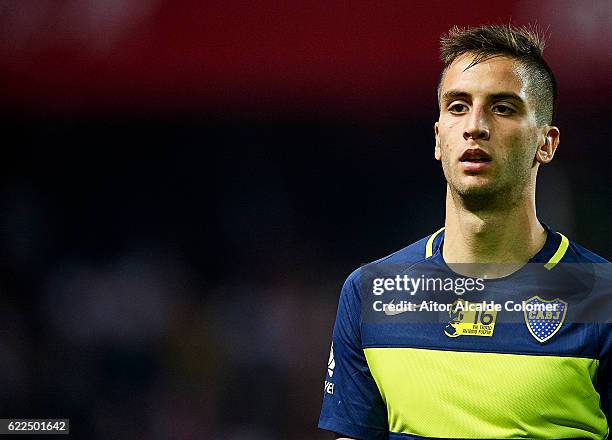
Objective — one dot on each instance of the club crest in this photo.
(544, 318)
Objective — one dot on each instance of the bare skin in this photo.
(491, 146)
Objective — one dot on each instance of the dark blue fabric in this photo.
(356, 409)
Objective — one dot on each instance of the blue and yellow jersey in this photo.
(457, 373)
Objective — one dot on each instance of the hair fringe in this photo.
(487, 40)
(524, 43)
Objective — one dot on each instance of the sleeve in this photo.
(604, 379)
(352, 405)
(601, 310)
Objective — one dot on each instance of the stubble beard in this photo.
(501, 193)
(482, 198)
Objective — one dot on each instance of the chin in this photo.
(477, 191)
(483, 195)
(475, 185)
(478, 188)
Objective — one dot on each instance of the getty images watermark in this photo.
(412, 285)
(458, 285)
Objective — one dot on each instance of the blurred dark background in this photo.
(185, 185)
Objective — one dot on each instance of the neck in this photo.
(507, 234)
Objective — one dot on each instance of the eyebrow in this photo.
(457, 94)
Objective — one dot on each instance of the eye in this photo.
(458, 108)
(503, 109)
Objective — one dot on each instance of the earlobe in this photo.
(546, 151)
(437, 154)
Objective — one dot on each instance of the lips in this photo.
(475, 161)
(475, 155)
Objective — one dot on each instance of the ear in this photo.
(548, 145)
(437, 153)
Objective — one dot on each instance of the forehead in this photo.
(491, 76)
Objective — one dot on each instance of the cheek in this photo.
(521, 152)
(528, 142)
(448, 130)
(448, 124)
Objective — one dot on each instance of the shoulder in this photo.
(410, 254)
(579, 254)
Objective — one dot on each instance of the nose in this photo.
(477, 126)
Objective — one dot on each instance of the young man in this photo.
(404, 373)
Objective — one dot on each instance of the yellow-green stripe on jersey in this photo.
(410, 364)
(442, 394)
(559, 253)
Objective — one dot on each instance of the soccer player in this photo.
(395, 373)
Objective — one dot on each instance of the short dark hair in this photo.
(518, 43)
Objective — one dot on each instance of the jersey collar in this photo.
(552, 252)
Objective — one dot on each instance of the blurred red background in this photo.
(303, 56)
